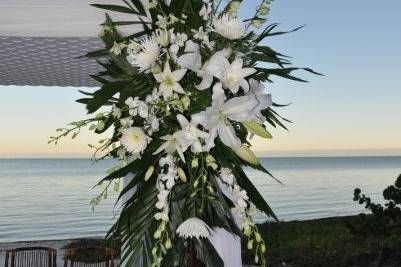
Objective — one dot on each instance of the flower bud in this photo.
(168, 244)
(263, 248)
(154, 251)
(181, 174)
(100, 126)
(256, 259)
(250, 244)
(157, 234)
(196, 183)
(256, 128)
(258, 237)
(149, 173)
(195, 163)
(247, 155)
(185, 102)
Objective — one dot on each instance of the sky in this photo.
(353, 109)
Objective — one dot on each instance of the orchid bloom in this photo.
(217, 118)
(169, 81)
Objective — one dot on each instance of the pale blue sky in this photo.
(355, 107)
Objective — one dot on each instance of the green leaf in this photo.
(116, 8)
(104, 94)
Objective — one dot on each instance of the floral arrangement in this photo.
(183, 96)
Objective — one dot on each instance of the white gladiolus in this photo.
(193, 228)
(146, 59)
(229, 27)
(134, 140)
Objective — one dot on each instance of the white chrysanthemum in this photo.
(134, 140)
(146, 59)
(229, 27)
(193, 227)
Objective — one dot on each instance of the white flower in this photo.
(227, 175)
(200, 34)
(265, 100)
(163, 216)
(232, 76)
(217, 118)
(137, 107)
(205, 11)
(116, 112)
(190, 134)
(146, 59)
(126, 122)
(117, 48)
(169, 177)
(133, 47)
(229, 27)
(169, 81)
(162, 22)
(152, 97)
(162, 37)
(179, 39)
(134, 140)
(193, 227)
(171, 145)
(168, 160)
(162, 198)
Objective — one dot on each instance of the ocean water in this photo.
(44, 199)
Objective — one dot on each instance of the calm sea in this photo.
(49, 198)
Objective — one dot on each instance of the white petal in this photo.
(178, 88)
(183, 121)
(227, 136)
(245, 85)
(179, 74)
(206, 82)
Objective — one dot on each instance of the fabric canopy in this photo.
(40, 41)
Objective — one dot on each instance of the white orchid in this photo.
(200, 34)
(229, 27)
(162, 22)
(146, 59)
(190, 135)
(217, 118)
(126, 122)
(169, 81)
(179, 39)
(137, 107)
(205, 11)
(118, 48)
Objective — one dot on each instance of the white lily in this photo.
(169, 81)
(217, 118)
(172, 144)
(190, 135)
(265, 100)
(232, 76)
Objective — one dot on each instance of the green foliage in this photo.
(386, 219)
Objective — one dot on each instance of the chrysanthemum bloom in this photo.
(134, 140)
(229, 27)
(193, 227)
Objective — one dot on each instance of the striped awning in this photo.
(40, 41)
